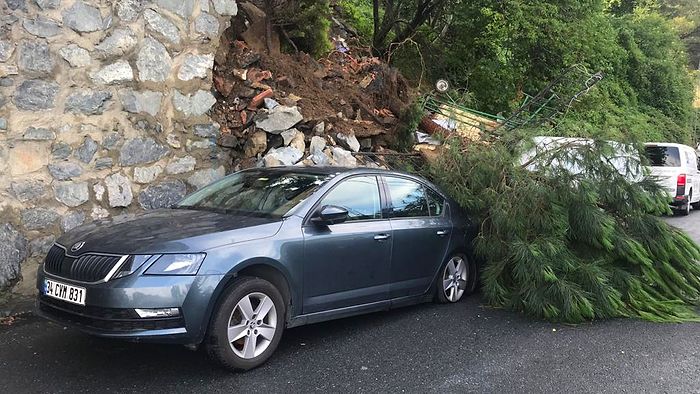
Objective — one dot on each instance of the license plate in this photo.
(64, 292)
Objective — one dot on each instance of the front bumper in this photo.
(109, 310)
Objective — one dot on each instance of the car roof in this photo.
(325, 170)
(668, 144)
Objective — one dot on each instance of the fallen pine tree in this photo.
(570, 234)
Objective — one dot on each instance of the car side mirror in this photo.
(331, 214)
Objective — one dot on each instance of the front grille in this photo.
(104, 319)
(86, 268)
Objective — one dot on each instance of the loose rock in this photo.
(279, 119)
(286, 156)
(343, 158)
(256, 144)
(348, 141)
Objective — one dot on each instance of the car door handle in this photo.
(442, 233)
(382, 237)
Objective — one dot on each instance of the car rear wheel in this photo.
(457, 279)
(247, 325)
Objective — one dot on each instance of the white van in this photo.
(677, 169)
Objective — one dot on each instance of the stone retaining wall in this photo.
(103, 112)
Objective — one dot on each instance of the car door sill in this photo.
(318, 317)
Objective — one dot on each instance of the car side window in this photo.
(436, 204)
(359, 196)
(408, 198)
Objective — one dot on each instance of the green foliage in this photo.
(359, 14)
(309, 25)
(572, 247)
(408, 123)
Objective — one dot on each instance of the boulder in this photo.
(287, 156)
(278, 119)
(348, 141)
(256, 144)
(343, 158)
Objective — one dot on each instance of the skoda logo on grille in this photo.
(77, 246)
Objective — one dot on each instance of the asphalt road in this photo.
(428, 348)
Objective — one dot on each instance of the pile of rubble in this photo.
(277, 109)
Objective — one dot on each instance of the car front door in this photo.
(421, 232)
(348, 264)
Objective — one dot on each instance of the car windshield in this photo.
(663, 156)
(255, 193)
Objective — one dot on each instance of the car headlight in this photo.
(176, 264)
(132, 264)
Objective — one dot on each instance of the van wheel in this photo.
(247, 325)
(458, 277)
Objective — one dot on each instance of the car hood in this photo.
(168, 231)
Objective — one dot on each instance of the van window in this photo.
(663, 156)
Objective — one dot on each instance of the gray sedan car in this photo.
(235, 263)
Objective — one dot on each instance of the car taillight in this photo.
(681, 179)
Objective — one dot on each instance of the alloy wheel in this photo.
(454, 279)
(252, 325)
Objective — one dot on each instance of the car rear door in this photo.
(421, 232)
(348, 264)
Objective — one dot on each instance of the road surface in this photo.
(427, 348)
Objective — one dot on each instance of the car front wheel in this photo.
(247, 326)
(457, 279)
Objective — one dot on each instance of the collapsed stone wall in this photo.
(103, 112)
